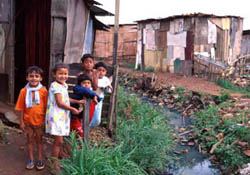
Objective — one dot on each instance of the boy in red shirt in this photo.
(32, 103)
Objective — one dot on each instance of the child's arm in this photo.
(95, 76)
(77, 101)
(86, 92)
(22, 125)
(61, 104)
(95, 100)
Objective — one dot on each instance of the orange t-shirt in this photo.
(36, 114)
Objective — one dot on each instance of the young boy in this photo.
(32, 103)
(88, 65)
(104, 84)
(81, 90)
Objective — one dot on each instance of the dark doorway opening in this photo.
(32, 39)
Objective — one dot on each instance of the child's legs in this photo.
(76, 125)
(30, 140)
(39, 141)
(97, 115)
(58, 141)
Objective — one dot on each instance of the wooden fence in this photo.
(109, 110)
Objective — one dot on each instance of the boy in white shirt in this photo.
(104, 85)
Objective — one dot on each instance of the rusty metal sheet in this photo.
(127, 42)
(4, 10)
(186, 67)
(190, 46)
(58, 36)
(59, 8)
(201, 35)
(161, 40)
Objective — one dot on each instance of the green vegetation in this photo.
(209, 125)
(223, 97)
(98, 160)
(228, 85)
(149, 69)
(144, 131)
(142, 142)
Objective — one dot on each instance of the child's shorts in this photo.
(34, 130)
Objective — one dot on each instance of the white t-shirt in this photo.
(103, 84)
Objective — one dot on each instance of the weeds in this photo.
(208, 125)
(98, 160)
(149, 69)
(143, 131)
(228, 85)
(142, 143)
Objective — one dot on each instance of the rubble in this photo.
(187, 102)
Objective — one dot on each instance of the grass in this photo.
(208, 125)
(149, 69)
(143, 130)
(142, 142)
(228, 85)
(98, 160)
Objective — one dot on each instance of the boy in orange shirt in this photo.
(32, 102)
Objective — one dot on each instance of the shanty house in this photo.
(245, 44)
(42, 33)
(170, 44)
(127, 42)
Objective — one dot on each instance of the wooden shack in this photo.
(245, 43)
(42, 33)
(127, 41)
(170, 44)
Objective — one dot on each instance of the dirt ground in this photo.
(191, 83)
(14, 156)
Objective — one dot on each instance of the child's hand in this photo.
(95, 74)
(22, 126)
(110, 88)
(75, 111)
(81, 102)
(95, 100)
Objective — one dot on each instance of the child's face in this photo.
(61, 75)
(86, 83)
(34, 79)
(88, 64)
(102, 72)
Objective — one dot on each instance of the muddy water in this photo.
(192, 162)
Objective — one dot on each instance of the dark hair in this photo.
(83, 77)
(101, 64)
(59, 66)
(85, 56)
(34, 69)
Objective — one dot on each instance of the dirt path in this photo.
(191, 83)
(14, 156)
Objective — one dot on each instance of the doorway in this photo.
(32, 39)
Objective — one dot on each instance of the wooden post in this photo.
(85, 122)
(113, 100)
(142, 50)
(116, 29)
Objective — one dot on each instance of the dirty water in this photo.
(192, 162)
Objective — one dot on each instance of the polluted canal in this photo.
(191, 161)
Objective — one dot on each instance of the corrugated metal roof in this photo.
(97, 11)
(185, 16)
(100, 26)
(246, 32)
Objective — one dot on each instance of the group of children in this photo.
(54, 111)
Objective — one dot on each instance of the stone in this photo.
(228, 116)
